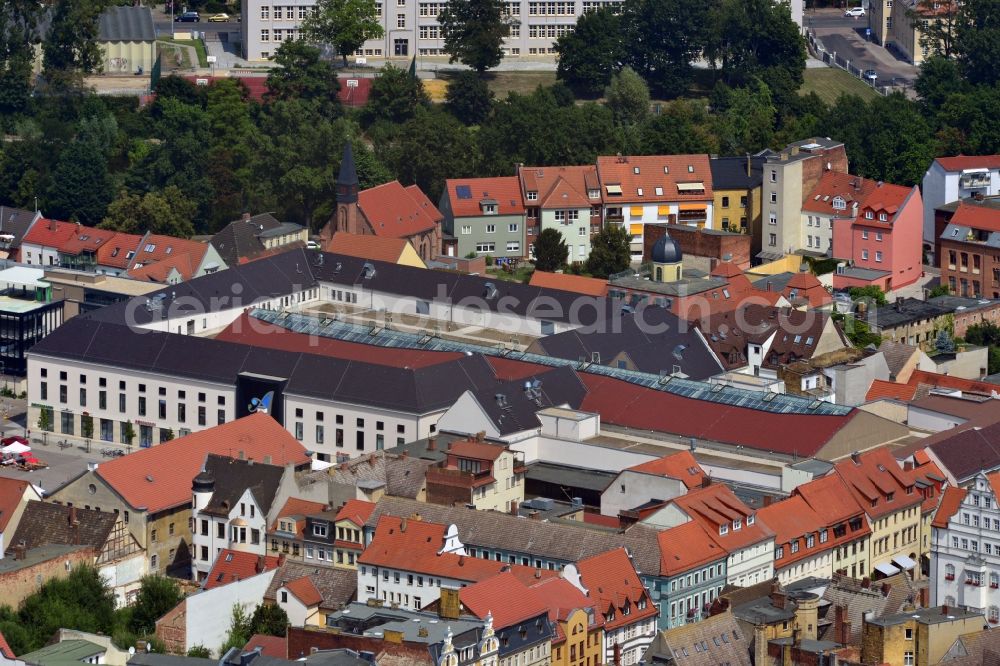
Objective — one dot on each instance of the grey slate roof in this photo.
(958, 232)
(16, 222)
(44, 523)
(404, 477)
(336, 586)
(903, 312)
(967, 452)
(126, 24)
(233, 477)
(730, 173)
(558, 386)
(557, 541)
(157, 659)
(241, 238)
(419, 390)
(649, 351)
(896, 355)
(857, 600)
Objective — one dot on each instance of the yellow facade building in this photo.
(915, 637)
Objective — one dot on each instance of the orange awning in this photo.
(635, 211)
(635, 229)
(701, 207)
(663, 210)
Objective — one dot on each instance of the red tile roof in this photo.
(578, 284)
(612, 581)
(506, 597)
(883, 388)
(396, 211)
(807, 286)
(621, 403)
(687, 547)
(304, 590)
(157, 248)
(373, 248)
(47, 232)
(233, 565)
(160, 477)
(717, 505)
(873, 478)
(832, 184)
(961, 162)
(562, 598)
(680, 465)
(115, 252)
(249, 331)
(477, 450)
(357, 511)
(562, 186)
(977, 217)
(791, 519)
(507, 369)
(11, 494)
(160, 271)
(270, 646)
(415, 548)
(950, 503)
(726, 269)
(5, 648)
(887, 198)
(655, 171)
(298, 507)
(505, 190)
(830, 498)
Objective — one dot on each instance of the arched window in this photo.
(949, 572)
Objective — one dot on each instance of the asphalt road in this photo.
(165, 27)
(846, 36)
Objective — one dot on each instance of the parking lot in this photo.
(846, 37)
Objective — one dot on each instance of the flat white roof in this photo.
(24, 276)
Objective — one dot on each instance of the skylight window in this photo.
(149, 248)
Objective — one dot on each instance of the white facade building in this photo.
(953, 178)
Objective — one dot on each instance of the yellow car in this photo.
(219, 18)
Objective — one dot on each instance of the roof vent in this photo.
(490, 290)
(369, 270)
(149, 477)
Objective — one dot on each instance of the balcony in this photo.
(456, 478)
(949, 576)
(975, 181)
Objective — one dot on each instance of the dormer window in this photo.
(724, 529)
(639, 191)
(869, 215)
(489, 209)
(659, 191)
(883, 217)
(532, 195)
(593, 194)
(839, 203)
(737, 524)
(635, 170)
(690, 168)
(751, 518)
(319, 530)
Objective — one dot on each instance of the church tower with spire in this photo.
(348, 216)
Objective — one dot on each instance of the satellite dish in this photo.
(131, 650)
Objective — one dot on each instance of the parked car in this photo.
(870, 75)
(188, 17)
(219, 18)
(855, 12)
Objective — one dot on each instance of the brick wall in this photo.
(712, 245)
(20, 584)
(172, 629)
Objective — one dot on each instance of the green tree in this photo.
(269, 619)
(200, 652)
(167, 212)
(550, 250)
(473, 32)
(345, 24)
(16, 634)
(128, 433)
(940, 290)
(87, 426)
(395, 96)
(302, 74)
(44, 420)
(81, 186)
(71, 47)
(752, 39)
(747, 123)
(592, 52)
(82, 601)
(943, 343)
(469, 98)
(976, 41)
(18, 21)
(157, 595)
(240, 630)
(859, 332)
(966, 122)
(664, 37)
(428, 149)
(939, 78)
(628, 97)
(683, 127)
(871, 293)
(610, 251)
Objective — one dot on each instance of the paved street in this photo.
(845, 36)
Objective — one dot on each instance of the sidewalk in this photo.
(226, 56)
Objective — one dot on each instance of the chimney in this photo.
(944, 610)
(841, 626)
(260, 564)
(768, 500)
(796, 637)
(856, 457)
(748, 165)
(246, 217)
(885, 589)
(899, 304)
(778, 598)
(72, 516)
(795, 150)
(402, 525)
(52, 225)
(432, 443)
(513, 507)
(866, 583)
(281, 560)
(908, 466)
(706, 481)
(534, 515)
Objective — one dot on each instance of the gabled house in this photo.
(520, 618)
(692, 573)
(232, 502)
(15, 494)
(308, 595)
(251, 236)
(350, 530)
(715, 640)
(231, 566)
(565, 198)
(486, 217)
(390, 210)
(655, 481)
(169, 260)
(72, 245)
(732, 524)
(640, 190)
(151, 488)
(629, 614)
(579, 626)
(14, 225)
(969, 251)
(848, 532)
(486, 476)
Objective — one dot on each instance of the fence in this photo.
(817, 50)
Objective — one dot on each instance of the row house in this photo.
(693, 573)
(640, 190)
(567, 199)
(579, 627)
(311, 533)
(881, 243)
(838, 512)
(950, 179)
(484, 217)
(969, 251)
(889, 497)
(522, 627)
(965, 547)
(733, 525)
(408, 563)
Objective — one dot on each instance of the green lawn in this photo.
(502, 83)
(199, 47)
(522, 274)
(829, 83)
